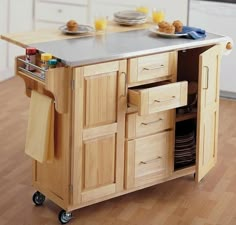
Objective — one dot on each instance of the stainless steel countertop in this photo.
(111, 46)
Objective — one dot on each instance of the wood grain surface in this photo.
(177, 202)
(25, 39)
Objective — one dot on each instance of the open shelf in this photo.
(186, 116)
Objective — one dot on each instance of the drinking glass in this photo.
(158, 15)
(100, 22)
(142, 9)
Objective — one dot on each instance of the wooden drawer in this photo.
(161, 66)
(148, 159)
(138, 126)
(60, 13)
(159, 98)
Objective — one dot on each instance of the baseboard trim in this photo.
(228, 94)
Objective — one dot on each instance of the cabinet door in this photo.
(208, 105)
(98, 135)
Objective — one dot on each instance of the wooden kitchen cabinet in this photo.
(116, 122)
(104, 161)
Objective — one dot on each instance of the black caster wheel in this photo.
(64, 217)
(38, 198)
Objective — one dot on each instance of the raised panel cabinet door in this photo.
(208, 110)
(99, 107)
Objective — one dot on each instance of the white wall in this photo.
(218, 18)
(174, 9)
(3, 29)
(15, 16)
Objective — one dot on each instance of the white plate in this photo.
(129, 22)
(156, 31)
(82, 29)
(130, 15)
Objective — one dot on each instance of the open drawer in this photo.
(158, 98)
(54, 80)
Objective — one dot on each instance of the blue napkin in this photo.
(193, 32)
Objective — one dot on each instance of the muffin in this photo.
(169, 29)
(162, 25)
(166, 27)
(72, 25)
(178, 25)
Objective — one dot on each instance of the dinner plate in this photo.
(129, 22)
(82, 29)
(130, 15)
(156, 31)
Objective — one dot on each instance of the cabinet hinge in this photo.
(73, 85)
(70, 188)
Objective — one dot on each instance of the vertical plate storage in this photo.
(99, 111)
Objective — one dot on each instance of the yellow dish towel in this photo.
(40, 132)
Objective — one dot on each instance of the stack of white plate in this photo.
(130, 17)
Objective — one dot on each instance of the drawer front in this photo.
(60, 13)
(160, 98)
(138, 126)
(151, 158)
(162, 66)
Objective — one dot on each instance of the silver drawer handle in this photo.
(152, 122)
(154, 67)
(166, 100)
(151, 160)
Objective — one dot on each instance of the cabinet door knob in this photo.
(59, 10)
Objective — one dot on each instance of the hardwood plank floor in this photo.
(177, 202)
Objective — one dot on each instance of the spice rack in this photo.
(53, 82)
(39, 74)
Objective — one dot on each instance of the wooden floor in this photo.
(178, 202)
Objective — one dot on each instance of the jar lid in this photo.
(46, 56)
(52, 62)
(30, 50)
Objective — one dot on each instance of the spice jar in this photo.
(44, 60)
(30, 58)
(52, 63)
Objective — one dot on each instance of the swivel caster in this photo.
(64, 217)
(38, 198)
